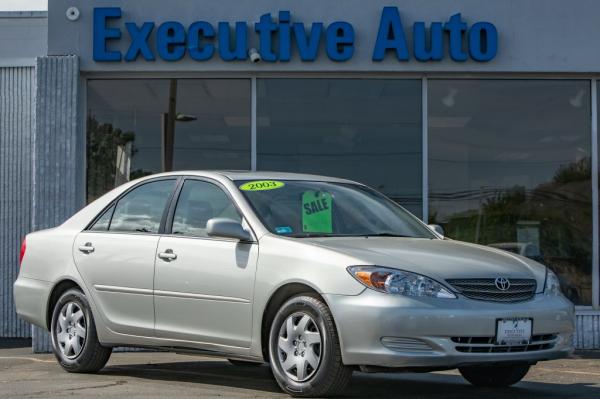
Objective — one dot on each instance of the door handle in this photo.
(168, 255)
(87, 248)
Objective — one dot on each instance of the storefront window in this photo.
(509, 167)
(367, 130)
(144, 126)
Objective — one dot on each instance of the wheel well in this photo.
(282, 294)
(57, 291)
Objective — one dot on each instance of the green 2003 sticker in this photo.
(260, 185)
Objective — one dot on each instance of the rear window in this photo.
(140, 210)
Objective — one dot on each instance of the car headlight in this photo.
(552, 286)
(399, 282)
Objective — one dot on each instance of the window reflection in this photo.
(509, 164)
(141, 210)
(198, 202)
(136, 127)
(367, 130)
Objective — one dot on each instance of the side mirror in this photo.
(228, 228)
(438, 229)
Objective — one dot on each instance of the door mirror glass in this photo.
(438, 229)
(228, 228)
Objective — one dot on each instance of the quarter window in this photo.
(199, 202)
(141, 210)
(103, 221)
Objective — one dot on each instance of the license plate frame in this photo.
(520, 333)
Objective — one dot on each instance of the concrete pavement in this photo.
(165, 375)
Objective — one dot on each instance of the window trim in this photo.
(113, 204)
(173, 206)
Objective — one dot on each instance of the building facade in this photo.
(478, 115)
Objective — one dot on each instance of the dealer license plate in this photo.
(513, 331)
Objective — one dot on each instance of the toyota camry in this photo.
(316, 276)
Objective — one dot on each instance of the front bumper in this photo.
(384, 330)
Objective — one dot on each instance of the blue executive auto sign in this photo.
(202, 40)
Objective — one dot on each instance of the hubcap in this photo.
(70, 330)
(300, 346)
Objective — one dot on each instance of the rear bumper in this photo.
(31, 300)
(383, 330)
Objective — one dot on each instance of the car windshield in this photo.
(299, 208)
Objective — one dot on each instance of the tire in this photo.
(244, 363)
(318, 353)
(74, 339)
(494, 376)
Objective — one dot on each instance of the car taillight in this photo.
(23, 249)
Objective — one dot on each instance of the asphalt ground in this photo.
(167, 375)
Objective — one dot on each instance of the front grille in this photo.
(484, 289)
(487, 344)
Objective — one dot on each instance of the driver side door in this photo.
(204, 286)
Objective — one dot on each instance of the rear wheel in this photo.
(74, 340)
(304, 349)
(494, 376)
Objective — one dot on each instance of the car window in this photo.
(103, 221)
(199, 202)
(302, 208)
(141, 209)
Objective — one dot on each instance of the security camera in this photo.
(254, 55)
(72, 13)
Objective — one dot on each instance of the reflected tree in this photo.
(559, 211)
(107, 149)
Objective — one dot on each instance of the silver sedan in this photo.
(317, 276)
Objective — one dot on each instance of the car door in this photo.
(203, 285)
(116, 256)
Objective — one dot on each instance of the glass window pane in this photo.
(104, 221)
(199, 202)
(137, 127)
(141, 209)
(313, 208)
(509, 167)
(367, 130)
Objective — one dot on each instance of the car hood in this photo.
(438, 259)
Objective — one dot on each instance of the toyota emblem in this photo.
(502, 283)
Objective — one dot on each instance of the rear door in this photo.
(116, 256)
(204, 285)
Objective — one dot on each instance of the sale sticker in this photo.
(317, 209)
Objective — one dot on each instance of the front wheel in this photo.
(304, 349)
(74, 340)
(494, 376)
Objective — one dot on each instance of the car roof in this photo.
(267, 175)
(256, 175)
